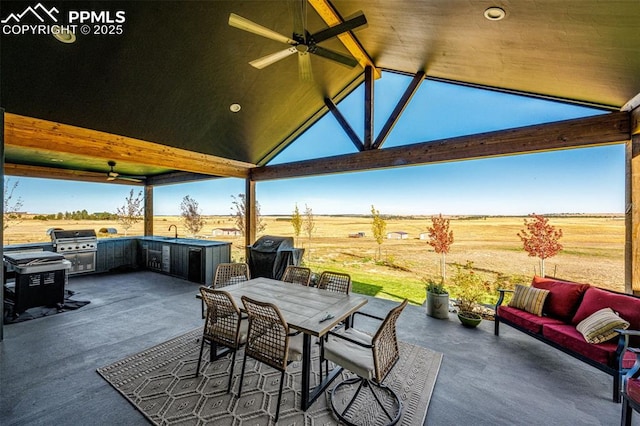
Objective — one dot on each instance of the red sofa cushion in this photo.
(563, 298)
(627, 306)
(633, 389)
(525, 319)
(604, 353)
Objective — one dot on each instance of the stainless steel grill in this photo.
(78, 247)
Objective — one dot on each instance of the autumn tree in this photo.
(379, 228)
(12, 206)
(440, 238)
(239, 213)
(540, 239)
(296, 222)
(131, 212)
(191, 216)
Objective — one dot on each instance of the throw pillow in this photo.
(529, 299)
(564, 297)
(599, 326)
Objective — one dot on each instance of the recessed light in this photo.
(235, 107)
(56, 160)
(495, 13)
(65, 35)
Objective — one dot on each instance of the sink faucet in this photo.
(176, 230)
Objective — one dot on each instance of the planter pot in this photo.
(469, 319)
(438, 305)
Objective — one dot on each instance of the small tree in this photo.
(540, 239)
(239, 213)
(296, 222)
(379, 228)
(191, 216)
(11, 208)
(441, 238)
(309, 222)
(131, 212)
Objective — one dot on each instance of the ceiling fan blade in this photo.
(357, 21)
(304, 66)
(334, 56)
(299, 15)
(130, 178)
(265, 61)
(238, 21)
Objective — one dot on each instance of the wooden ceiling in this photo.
(156, 98)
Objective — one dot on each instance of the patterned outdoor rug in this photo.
(160, 383)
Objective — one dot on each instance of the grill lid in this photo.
(60, 234)
(32, 258)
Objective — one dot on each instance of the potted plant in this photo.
(437, 299)
(469, 288)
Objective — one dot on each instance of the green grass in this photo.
(382, 287)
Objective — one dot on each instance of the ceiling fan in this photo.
(301, 42)
(113, 175)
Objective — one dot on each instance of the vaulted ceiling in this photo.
(172, 74)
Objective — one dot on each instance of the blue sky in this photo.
(587, 180)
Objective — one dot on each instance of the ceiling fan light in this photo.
(494, 13)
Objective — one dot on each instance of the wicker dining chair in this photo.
(297, 275)
(269, 341)
(223, 326)
(371, 359)
(228, 274)
(335, 281)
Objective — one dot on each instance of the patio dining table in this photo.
(304, 309)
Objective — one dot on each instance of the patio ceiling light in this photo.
(64, 35)
(235, 107)
(494, 13)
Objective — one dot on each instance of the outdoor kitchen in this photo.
(36, 273)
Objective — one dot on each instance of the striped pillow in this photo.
(529, 299)
(599, 326)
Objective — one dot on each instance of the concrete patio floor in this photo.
(47, 365)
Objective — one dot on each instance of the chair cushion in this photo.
(529, 299)
(295, 347)
(600, 326)
(563, 299)
(526, 320)
(633, 389)
(351, 356)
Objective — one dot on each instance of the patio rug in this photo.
(160, 383)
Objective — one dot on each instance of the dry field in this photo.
(593, 246)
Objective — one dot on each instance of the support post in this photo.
(250, 215)
(148, 210)
(632, 208)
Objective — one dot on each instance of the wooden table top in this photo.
(302, 307)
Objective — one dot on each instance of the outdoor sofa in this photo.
(566, 315)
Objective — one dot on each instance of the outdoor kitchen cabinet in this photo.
(116, 253)
(191, 259)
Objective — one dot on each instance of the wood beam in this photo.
(368, 107)
(418, 78)
(332, 18)
(37, 134)
(344, 124)
(635, 121)
(582, 132)
(64, 174)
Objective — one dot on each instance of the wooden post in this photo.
(148, 210)
(250, 215)
(632, 208)
(368, 107)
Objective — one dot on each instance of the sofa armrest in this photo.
(501, 297)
